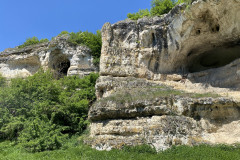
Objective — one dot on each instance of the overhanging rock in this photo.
(58, 55)
(204, 36)
(197, 43)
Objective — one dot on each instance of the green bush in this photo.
(32, 41)
(63, 33)
(91, 40)
(159, 7)
(185, 1)
(44, 105)
(140, 14)
(39, 135)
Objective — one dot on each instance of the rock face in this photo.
(195, 44)
(134, 111)
(204, 36)
(57, 55)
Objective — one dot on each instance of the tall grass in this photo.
(76, 150)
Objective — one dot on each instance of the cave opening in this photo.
(154, 42)
(214, 58)
(59, 63)
(61, 67)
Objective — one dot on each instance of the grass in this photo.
(78, 151)
(150, 93)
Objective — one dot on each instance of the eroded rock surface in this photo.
(204, 36)
(160, 77)
(134, 111)
(58, 55)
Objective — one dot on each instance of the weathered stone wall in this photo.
(195, 44)
(151, 47)
(134, 111)
(57, 55)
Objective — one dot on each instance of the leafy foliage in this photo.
(91, 40)
(159, 7)
(185, 1)
(40, 135)
(140, 14)
(40, 111)
(32, 41)
(63, 33)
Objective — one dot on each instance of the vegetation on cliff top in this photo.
(91, 40)
(159, 7)
(32, 41)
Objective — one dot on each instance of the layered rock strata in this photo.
(189, 39)
(134, 111)
(58, 55)
(193, 44)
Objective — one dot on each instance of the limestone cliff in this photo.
(185, 41)
(156, 75)
(58, 55)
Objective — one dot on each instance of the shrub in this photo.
(39, 135)
(40, 111)
(159, 7)
(32, 41)
(185, 1)
(91, 40)
(63, 33)
(140, 14)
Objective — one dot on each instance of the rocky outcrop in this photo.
(195, 45)
(58, 55)
(158, 131)
(134, 111)
(190, 39)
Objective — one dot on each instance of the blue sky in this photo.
(21, 19)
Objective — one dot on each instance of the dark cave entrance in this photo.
(215, 58)
(61, 67)
(59, 63)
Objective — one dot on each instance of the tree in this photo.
(140, 14)
(160, 7)
(40, 112)
(32, 41)
(91, 40)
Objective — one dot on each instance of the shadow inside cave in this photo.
(218, 67)
(59, 63)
